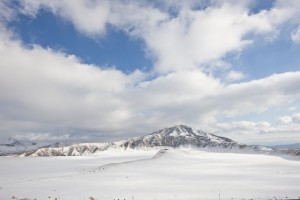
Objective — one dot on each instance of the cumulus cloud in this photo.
(43, 90)
(89, 17)
(193, 38)
(47, 91)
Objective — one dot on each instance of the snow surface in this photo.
(184, 174)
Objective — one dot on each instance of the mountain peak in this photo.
(180, 131)
(179, 135)
(175, 136)
(174, 130)
(183, 128)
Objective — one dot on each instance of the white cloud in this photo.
(296, 118)
(293, 119)
(89, 17)
(46, 91)
(42, 137)
(235, 75)
(285, 120)
(243, 126)
(260, 132)
(197, 37)
(295, 35)
(50, 90)
(7, 12)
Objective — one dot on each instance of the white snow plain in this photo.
(181, 174)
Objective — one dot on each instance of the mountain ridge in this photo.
(170, 137)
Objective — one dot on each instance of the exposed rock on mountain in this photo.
(172, 137)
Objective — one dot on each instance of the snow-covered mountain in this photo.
(176, 136)
(171, 137)
(13, 146)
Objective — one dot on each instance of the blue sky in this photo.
(103, 69)
(112, 49)
(267, 58)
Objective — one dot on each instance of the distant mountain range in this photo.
(13, 146)
(287, 146)
(172, 137)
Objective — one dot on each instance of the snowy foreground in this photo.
(173, 174)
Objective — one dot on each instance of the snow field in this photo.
(184, 174)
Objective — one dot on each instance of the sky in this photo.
(100, 70)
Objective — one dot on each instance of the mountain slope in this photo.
(176, 136)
